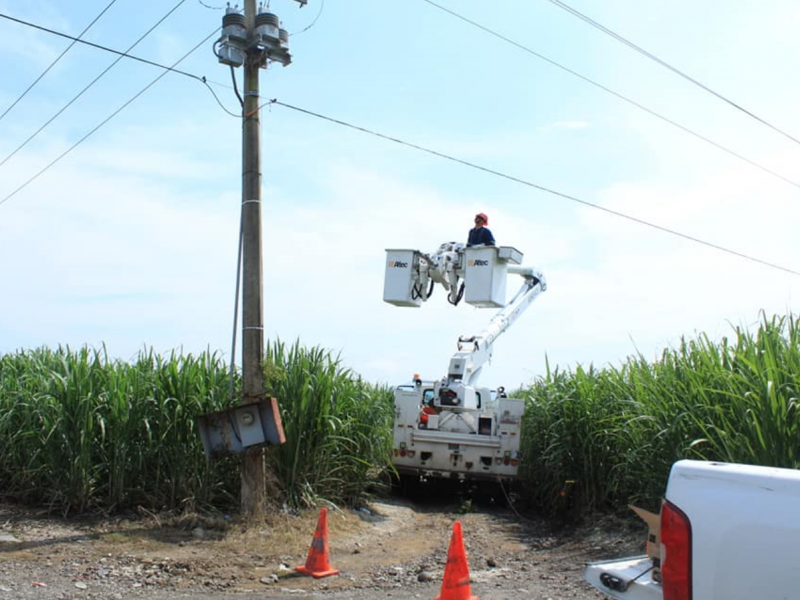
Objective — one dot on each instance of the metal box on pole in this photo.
(241, 428)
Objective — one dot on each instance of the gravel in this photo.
(391, 549)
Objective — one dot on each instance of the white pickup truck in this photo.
(726, 532)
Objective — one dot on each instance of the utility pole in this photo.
(253, 490)
(253, 40)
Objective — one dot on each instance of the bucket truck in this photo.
(452, 428)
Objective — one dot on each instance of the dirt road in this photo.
(390, 549)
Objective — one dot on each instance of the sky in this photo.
(128, 239)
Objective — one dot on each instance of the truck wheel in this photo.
(409, 486)
(488, 493)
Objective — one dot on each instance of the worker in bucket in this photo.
(480, 234)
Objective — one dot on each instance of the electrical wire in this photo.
(221, 105)
(98, 46)
(314, 22)
(396, 140)
(236, 86)
(666, 65)
(208, 6)
(614, 93)
(542, 188)
(239, 254)
(201, 79)
(60, 56)
(458, 296)
(166, 69)
(86, 88)
(106, 120)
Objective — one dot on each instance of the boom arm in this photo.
(475, 351)
(458, 388)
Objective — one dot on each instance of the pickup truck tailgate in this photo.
(624, 578)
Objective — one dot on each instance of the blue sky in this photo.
(130, 239)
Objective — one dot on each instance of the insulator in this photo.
(267, 28)
(235, 19)
(233, 38)
(267, 18)
(284, 37)
(233, 27)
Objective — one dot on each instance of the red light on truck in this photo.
(676, 553)
(403, 452)
(506, 461)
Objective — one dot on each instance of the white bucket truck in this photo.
(451, 428)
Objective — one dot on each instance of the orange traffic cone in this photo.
(317, 562)
(455, 585)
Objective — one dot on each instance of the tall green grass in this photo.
(616, 432)
(79, 431)
(338, 427)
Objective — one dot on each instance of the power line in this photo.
(60, 56)
(654, 58)
(85, 89)
(204, 5)
(100, 47)
(314, 22)
(106, 120)
(201, 79)
(541, 188)
(614, 93)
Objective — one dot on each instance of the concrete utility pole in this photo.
(253, 489)
(253, 40)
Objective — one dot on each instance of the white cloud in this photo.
(566, 125)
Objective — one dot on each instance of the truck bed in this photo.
(624, 578)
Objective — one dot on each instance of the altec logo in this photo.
(478, 263)
(397, 264)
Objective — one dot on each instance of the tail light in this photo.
(676, 553)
